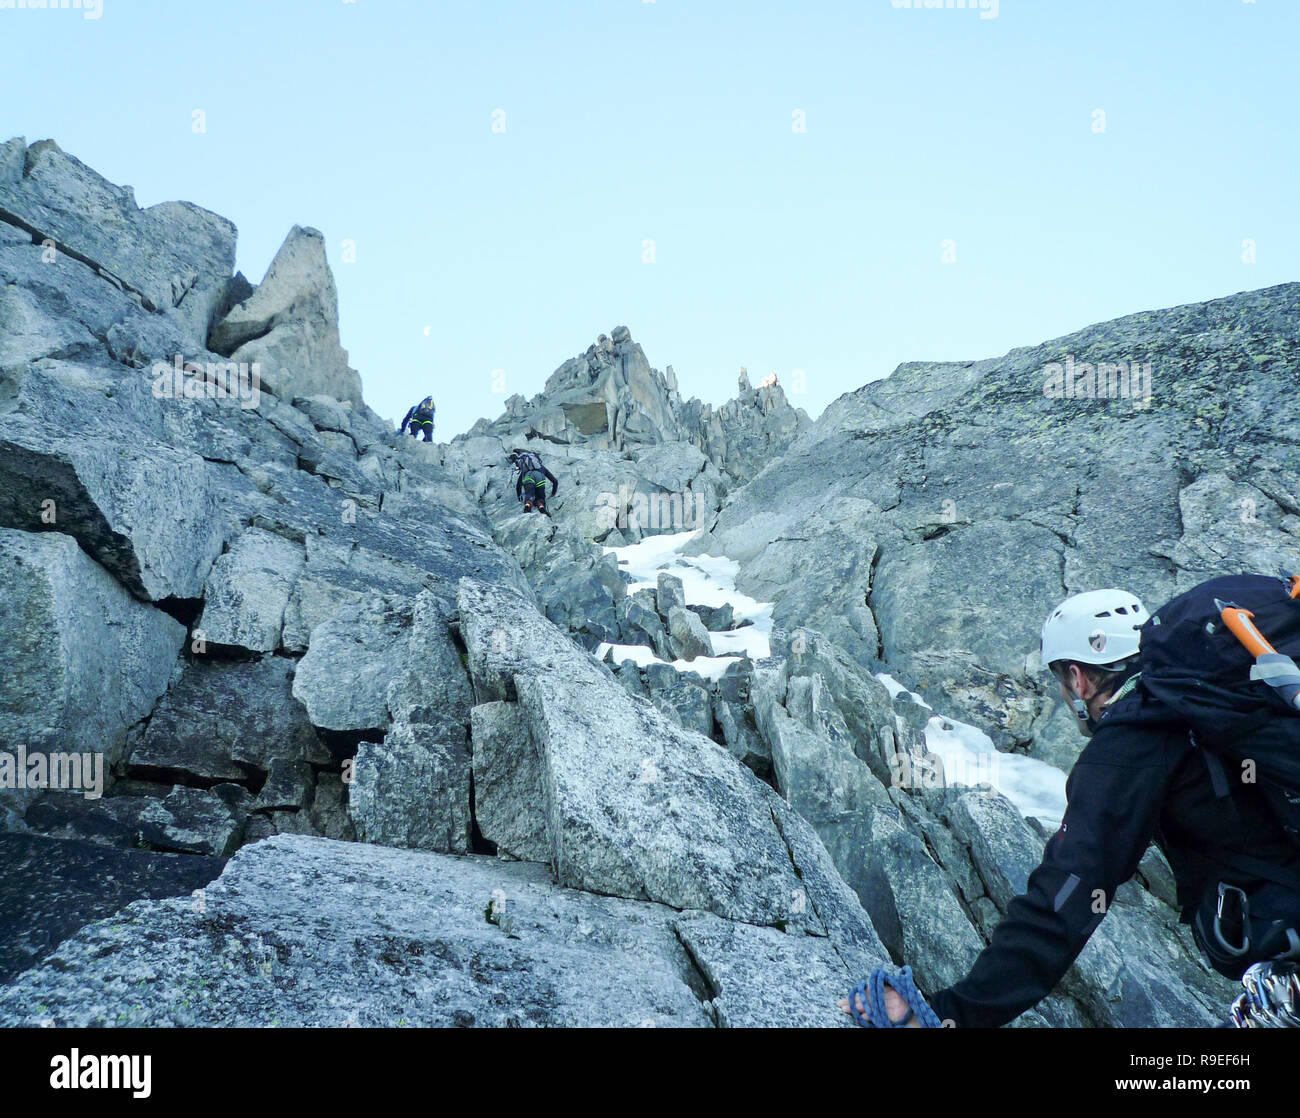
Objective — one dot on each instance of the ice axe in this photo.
(1276, 669)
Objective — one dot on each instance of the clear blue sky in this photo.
(671, 121)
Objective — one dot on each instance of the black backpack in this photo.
(527, 462)
(1239, 709)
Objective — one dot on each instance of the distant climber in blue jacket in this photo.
(420, 420)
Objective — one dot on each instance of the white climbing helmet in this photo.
(1099, 627)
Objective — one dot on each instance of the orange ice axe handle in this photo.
(1272, 667)
(1239, 621)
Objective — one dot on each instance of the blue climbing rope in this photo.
(872, 993)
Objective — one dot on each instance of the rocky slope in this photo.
(954, 504)
(343, 661)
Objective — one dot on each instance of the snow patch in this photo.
(970, 758)
(895, 689)
(707, 580)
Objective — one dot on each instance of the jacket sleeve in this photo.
(555, 485)
(410, 412)
(519, 484)
(1114, 796)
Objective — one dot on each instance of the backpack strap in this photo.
(1127, 686)
(1218, 775)
(1289, 879)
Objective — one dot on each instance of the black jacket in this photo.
(1139, 778)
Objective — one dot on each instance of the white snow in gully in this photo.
(969, 756)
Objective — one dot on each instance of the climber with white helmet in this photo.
(1089, 644)
(1193, 721)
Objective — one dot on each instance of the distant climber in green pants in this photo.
(420, 420)
(530, 484)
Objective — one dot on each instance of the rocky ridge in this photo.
(345, 659)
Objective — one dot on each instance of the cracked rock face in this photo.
(289, 325)
(93, 659)
(175, 258)
(410, 938)
(224, 720)
(981, 499)
(708, 834)
(173, 543)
